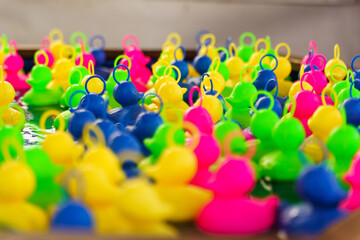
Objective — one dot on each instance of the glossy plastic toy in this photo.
(10, 115)
(69, 151)
(319, 80)
(308, 58)
(208, 150)
(306, 103)
(56, 45)
(145, 218)
(79, 118)
(45, 46)
(18, 183)
(47, 192)
(319, 187)
(286, 163)
(262, 123)
(173, 171)
(352, 108)
(231, 211)
(119, 74)
(62, 68)
(234, 63)
(338, 75)
(245, 51)
(13, 63)
(211, 101)
(40, 77)
(218, 81)
(127, 96)
(265, 75)
(343, 142)
(180, 63)
(207, 44)
(240, 101)
(319, 122)
(86, 56)
(222, 68)
(352, 202)
(13, 131)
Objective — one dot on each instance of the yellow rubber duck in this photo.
(17, 183)
(174, 170)
(170, 93)
(144, 210)
(10, 116)
(101, 195)
(60, 145)
(62, 69)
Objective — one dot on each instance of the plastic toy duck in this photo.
(145, 218)
(99, 155)
(76, 75)
(94, 187)
(39, 94)
(158, 142)
(62, 68)
(321, 128)
(99, 174)
(47, 191)
(240, 101)
(69, 152)
(283, 70)
(56, 45)
(211, 100)
(10, 116)
(11, 130)
(119, 74)
(170, 93)
(218, 81)
(232, 211)
(286, 163)
(262, 123)
(208, 150)
(128, 97)
(352, 202)
(18, 183)
(306, 104)
(321, 207)
(343, 142)
(140, 73)
(234, 63)
(173, 171)
(13, 63)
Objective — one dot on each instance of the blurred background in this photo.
(293, 21)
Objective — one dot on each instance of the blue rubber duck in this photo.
(146, 125)
(322, 194)
(126, 94)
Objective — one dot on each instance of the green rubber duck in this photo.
(343, 142)
(286, 163)
(240, 102)
(39, 94)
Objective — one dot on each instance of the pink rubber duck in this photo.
(140, 74)
(208, 150)
(306, 104)
(307, 58)
(232, 211)
(13, 63)
(319, 80)
(352, 202)
(45, 46)
(85, 57)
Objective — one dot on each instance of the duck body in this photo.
(240, 215)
